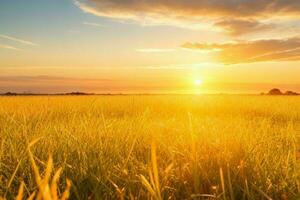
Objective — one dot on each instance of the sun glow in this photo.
(198, 82)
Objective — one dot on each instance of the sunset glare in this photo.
(198, 82)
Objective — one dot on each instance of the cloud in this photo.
(93, 24)
(48, 78)
(189, 8)
(236, 27)
(3, 46)
(252, 51)
(241, 16)
(18, 40)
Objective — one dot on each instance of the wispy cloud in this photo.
(18, 40)
(50, 78)
(156, 50)
(93, 24)
(252, 51)
(237, 27)
(3, 46)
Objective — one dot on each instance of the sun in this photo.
(198, 82)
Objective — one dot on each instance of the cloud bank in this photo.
(252, 51)
(233, 17)
(245, 14)
(190, 8)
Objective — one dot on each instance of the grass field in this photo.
(159, 147)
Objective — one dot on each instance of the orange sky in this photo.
(159, 46)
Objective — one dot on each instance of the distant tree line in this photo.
(33, 94)
(276, 91)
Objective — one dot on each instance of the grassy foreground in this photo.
(159, 147)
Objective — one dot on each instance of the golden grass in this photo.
(150, 147)
(46, 188)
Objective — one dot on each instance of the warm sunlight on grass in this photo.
(151, 147)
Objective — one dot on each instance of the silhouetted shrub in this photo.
(290, 93)
(275, 91)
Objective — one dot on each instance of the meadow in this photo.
(154, 146)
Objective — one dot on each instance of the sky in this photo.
(149, 46)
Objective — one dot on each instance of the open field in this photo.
(160, 147)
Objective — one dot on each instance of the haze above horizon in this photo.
(153, 46)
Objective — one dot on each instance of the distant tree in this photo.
(290, 93)
(275, 91)
(78, 93)
(10, 94)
